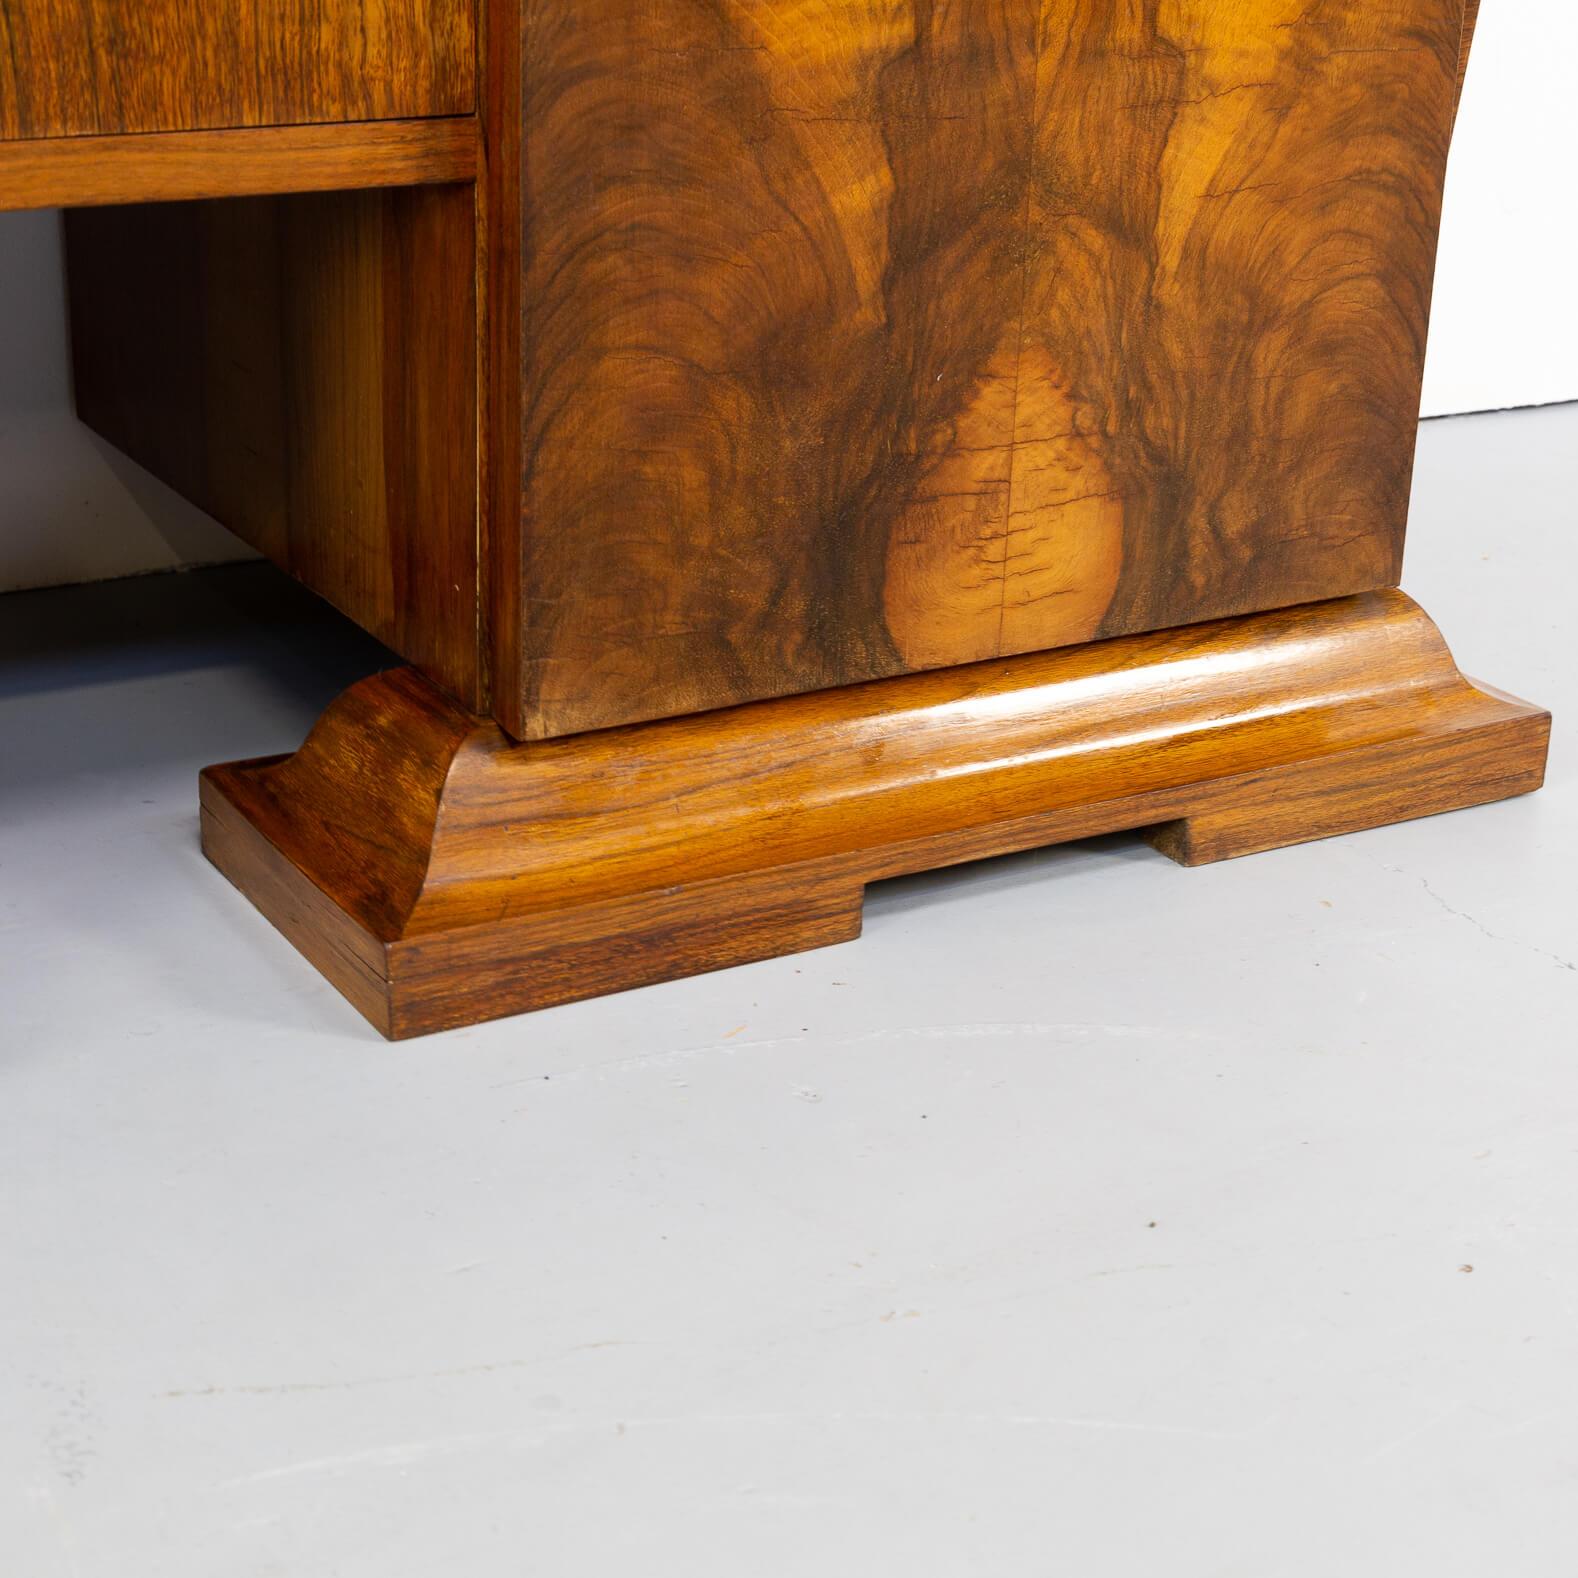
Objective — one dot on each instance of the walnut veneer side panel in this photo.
(857, 340)
(304, 369)
(85, 67)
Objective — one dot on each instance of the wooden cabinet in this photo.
(833, 342)
(797, 441)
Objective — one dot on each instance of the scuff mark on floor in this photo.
(355, 1383)
(1479, 925)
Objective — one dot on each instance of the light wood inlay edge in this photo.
(90, 172)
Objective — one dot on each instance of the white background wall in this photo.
(1505, 331)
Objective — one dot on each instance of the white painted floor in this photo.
(1090, 1216)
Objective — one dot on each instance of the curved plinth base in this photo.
(439, 873)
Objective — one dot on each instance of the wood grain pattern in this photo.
(85, 172)
(501, 242)
(71, 68)
(440, 873)
(305, 369)
(1470, 17)
(863, 339)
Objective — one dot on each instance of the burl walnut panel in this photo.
(861, 338)
(83, 67)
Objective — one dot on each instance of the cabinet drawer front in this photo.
(861, 338)
(85, 67)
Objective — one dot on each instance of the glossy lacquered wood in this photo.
(916, 384)
(72, 68)
(83, 172)
(439, 873)
(856, 340)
